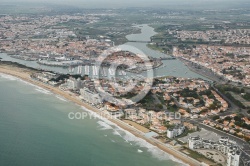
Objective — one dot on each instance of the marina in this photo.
(86, 70)
(111, 72)
(143, 84)
(166, 69)
(79, 70)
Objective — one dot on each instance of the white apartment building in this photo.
(224, 145)
(177, 130)
(74, 84)
(194, 142)
(233, 157)
(89, 96)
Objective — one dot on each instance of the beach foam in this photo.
(139, 151)
(103, 125)
(13, 78)
(61, 98)
(9, 77)
(108, 125)
(129, 137)
(44, 91)
(27, 83)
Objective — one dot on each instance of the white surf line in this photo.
(136, 139)
(37, 88)
(9, 77)
(61, 98)
(44, 91)
(139, 151)
(139, 141)
(13, 78)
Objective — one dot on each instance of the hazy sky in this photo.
(210, 4)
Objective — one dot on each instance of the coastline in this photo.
(24, 74)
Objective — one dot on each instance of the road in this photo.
(245, 147)
(232, 107)
(158, 101)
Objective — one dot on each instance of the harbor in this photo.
(162, 149)
(169, 67)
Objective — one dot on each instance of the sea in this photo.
(35, 130)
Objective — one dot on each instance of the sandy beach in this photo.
(24, 74)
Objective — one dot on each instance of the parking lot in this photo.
(203, 134)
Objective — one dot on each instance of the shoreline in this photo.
(25, 76)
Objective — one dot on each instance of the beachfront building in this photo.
(45, 76)
(74, 84)
(194, 142)
(233, 157)
(89, 96)
(224, 145)
(176, 131)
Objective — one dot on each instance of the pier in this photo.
(79, 70)
(87, 70)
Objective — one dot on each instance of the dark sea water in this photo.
(35, 131)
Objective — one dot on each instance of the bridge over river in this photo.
(137, 41)
(167, 58)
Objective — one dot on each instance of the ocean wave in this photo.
(155, 151)
(13, 78)
(43, 91)
(103, 125)
(139, 151)
(129, 137)
(9, 77)
(27, 83)
(115, 132)
(108, 125)
(61, 98)
(95, 115)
